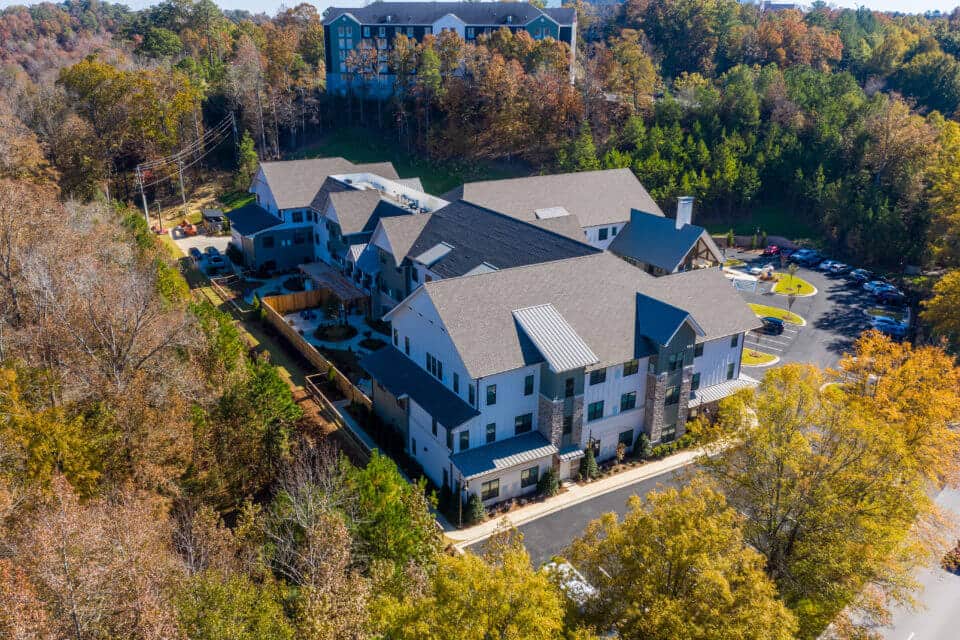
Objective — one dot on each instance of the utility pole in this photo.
(183, 193)
(236, 139)
(143, 196)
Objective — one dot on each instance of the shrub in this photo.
(475, 512)
(642, 447)
(588, 465)
(549, 483)
(731, 239)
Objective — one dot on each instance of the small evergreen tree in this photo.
(475, 511)
(588, 465)
(642, 447)
(247, 163)
(731, 239)
(581, 153)
(549, 483)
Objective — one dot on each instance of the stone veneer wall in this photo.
(550, 419)
(683, 409)
(654, 397)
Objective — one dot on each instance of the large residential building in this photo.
(496, 376)
(310, 210)
(598, 202)
(378, 24)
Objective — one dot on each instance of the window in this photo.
(613, 231)
(675, 361)
(414, 275)
(626, 438)
(433, 427)
(595, 411)
(297, 216)
(735, 340)
(698, 350)
(267, 242)
(409, 32)
(434, 366)
(491, 394)
(730, 368)
(669, 432)
(673, 395)
(396, 337)
(598, 377)
(366, 32)
(490, 489)
(628, 401)
(456, 383)
(464, 440)
(382, 32)
(491, 432)
(449, 440)
(522, 424)
(406, 344)
(428, 30)
(603, 233)
(470, 32)
(299, 238)
(630, 368)
(472, 395)
(567, 425)
(695, 382)
(569, 386)
(528, 385)
(529, 477)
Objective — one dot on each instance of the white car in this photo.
(874, 286)
(826, 265)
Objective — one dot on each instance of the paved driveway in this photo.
(835, 318)
(549, 536)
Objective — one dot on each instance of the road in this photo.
(939, 617)
(550, 535)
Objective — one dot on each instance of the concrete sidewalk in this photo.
(574, 495)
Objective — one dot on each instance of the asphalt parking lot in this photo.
(835, 317)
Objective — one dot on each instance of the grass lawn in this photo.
(733, 262)
(235, 199)
(787, 284)
(763, 311)
(753, 358)
(366, 145)
(775, 220)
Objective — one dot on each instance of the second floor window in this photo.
(435, 367)
(595, 411)
(569, 387)
(522, 424)
(598, 377)
(297, 216)
(464, 440)
(673, 395)
(491, 432)
(675, 361)
(695, 382)
(628, 401)
(730, 368)
(698, 350)
(491, 394)
(528, 385)
(630, 368)
(734, 339)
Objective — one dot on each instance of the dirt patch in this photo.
(314, 423)
(335, 333)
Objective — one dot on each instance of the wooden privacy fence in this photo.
(333, 414)
(307, 299)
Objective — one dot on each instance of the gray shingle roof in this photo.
(657, 241)
(474, 13)
(595, 294)
(252, 218)
(295, 183)
(594, 197)
(477, 235)
(503, 454)
(359, 210)
(402, 232)
(400, 376)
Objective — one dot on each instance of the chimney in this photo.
(684, 211)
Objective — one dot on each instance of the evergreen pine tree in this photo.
(475, 511)
(549, 483)
(588, 465)
(247, 164)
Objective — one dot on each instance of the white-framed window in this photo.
(471, 32)
(382, 32)
(428, 30)
(409, 32)
(366, 32)
(490, 489)
(529, 477)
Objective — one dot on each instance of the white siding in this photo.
(608, 429)
(261, 189)
(717, 354)
(431, 453)
(510, 403)
(449, 21)
(593, 234)
(510, 481)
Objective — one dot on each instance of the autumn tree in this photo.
(498, 594)
(942, 311)
(212, 606)
(677, 566)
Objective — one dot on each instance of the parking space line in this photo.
(768, 339)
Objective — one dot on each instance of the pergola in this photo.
(326, 277)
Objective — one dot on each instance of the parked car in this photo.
(771, 250)
(876, 285)
(838, 269)
(859, 277)
(195, 254)
(772, 326)
(889, 326)
(892, 297)
(806, 257)
(826, 265)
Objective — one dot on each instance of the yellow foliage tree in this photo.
(942, 311)
(678, 567)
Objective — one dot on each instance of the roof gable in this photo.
(657, 241)
(295, 183)
(554, 338)
(660, 321)
(252, 218)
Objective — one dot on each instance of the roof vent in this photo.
(389, 18)
(550, 212)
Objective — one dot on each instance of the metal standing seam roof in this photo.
(434, 253)
(656, 240)
(502, 455)
(556, 340)
(720, 391)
